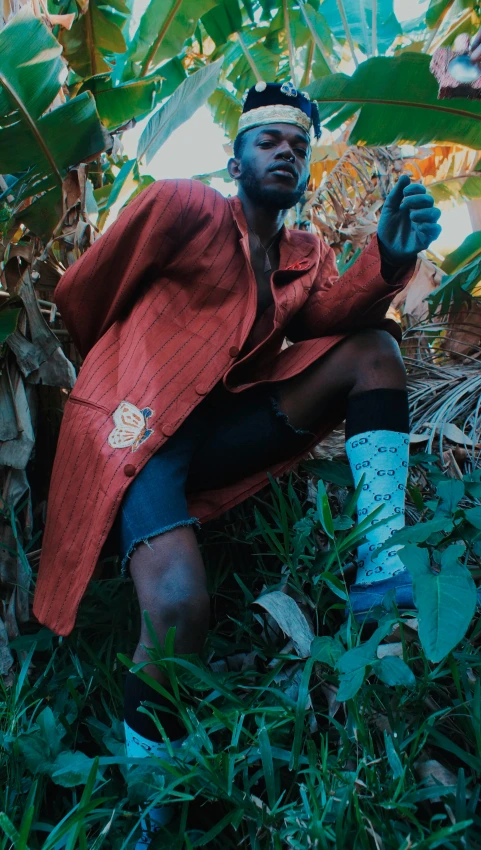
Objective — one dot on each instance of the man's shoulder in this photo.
(191, 193)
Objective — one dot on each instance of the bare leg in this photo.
(169, 578)
(367, 360)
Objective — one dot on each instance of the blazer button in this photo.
(168, 430)
(201, 389)
(129, 470)
(234, 351)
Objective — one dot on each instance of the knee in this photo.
(182, 603)
(377, 349)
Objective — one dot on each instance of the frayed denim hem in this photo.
(182, 523)
(281, 415)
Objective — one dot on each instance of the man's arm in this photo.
(359, 299)
(101, 286)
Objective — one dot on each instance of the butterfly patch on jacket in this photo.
(130, 426)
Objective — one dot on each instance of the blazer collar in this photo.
(294, 254)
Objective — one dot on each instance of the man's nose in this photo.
(284, 152)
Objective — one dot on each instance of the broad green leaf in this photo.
(266, 62)
(436, 11)
(359, 17)
(223, 20)
(118, 104)
(8, 322)
(71, 768)
(164, 27)
(94, 40)
(190, 95)
(352, 665)
(33, 140)
(350, 684)
(446, 601)
(398, 101)
(453, 291)
(473, 516)
(41, 746)
(418, 533)
(331, 470)
(30, 62)
(394, 671)
(326, 650)
(363, 655)
(468, 251)
(226, 111)
(43, 214)
(464, 188)
(450, 491)
(20, 148)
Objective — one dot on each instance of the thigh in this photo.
(247, 433)
(156, 502)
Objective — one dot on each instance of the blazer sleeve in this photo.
(103, 283)
(359, 299)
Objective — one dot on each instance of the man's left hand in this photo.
(408, 222)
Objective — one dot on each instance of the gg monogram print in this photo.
(382, 457)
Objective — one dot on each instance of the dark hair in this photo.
(239, 143)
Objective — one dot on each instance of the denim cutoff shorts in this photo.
(227, 437)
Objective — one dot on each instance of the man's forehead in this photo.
(280, 131)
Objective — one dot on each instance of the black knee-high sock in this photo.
(377, 410)
(135, 692)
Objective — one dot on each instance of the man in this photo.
(187, 397)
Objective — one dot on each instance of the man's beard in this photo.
(270, 196)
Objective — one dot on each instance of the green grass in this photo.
(274, 760)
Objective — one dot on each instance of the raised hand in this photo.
(476, 48)
(408, 222)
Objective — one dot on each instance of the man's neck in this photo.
(264, 221)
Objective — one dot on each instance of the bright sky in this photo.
(197, 147)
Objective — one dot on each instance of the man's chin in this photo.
(278, 198)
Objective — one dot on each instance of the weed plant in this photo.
(304, 730)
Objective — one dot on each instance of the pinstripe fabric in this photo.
(159, 307)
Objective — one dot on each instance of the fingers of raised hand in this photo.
(427, 215)
(476, 48)
(428, 232)
(394, 199)
(415, 189)
(418, 202)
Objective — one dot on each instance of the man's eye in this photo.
(302, 152)
(265, 144)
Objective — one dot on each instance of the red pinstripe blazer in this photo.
(160, 307)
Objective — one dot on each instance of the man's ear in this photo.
(234, 169)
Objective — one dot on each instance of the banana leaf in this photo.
(61, 138)
(359, 14)
(191, 94)
(398, 101)
(164, 27)
(30, 64)
(226, 111)
(96, 37)
(34, 143)
(436, 12)
(467, 252)
(118, 104)
(221, 21)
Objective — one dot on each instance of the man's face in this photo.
(273, 169)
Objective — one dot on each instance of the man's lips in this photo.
(284, 170)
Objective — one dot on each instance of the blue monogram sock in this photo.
(383, 458)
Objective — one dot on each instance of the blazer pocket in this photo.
(86, 403)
